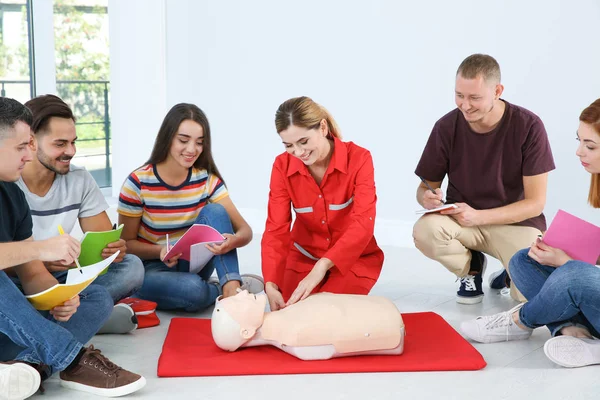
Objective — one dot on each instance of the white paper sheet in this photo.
(438, 209)
(199, 257)
(74, 275)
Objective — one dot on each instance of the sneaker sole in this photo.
(113, 392)
(474, 299)
(469, 300)
(571, 352)
(18, 381)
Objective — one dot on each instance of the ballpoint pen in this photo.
(430, 188)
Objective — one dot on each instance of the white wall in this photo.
(138, 82)
(385, 70)
(43, 48)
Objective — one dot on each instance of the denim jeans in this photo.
(557, 297)
(36, 337)
(177, 288)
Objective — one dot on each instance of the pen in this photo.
(430, 188)
(167, 242)
(62, 232)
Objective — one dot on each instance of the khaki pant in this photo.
(441, 238)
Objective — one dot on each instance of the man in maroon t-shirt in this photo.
(497, 158)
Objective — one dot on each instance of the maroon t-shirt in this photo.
(486, 170)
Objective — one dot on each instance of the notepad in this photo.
(93, 243)
(438, 209)
(192, 246)
(576, 237)
(75, 283)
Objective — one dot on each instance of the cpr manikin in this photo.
(320, 327)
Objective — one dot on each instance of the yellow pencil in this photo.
(62, 232)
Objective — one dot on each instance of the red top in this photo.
(334, 220)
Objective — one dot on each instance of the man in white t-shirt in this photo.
(62, 194)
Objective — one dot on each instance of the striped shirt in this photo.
(166, 209)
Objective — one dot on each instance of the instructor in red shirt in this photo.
(330, 186)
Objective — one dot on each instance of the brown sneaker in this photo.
(18, 380)
(94, 373)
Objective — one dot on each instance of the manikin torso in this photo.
(326, 325)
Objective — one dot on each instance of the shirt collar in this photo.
(339, 160)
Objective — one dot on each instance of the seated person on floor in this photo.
(322, 326)
(35, 344)
(179, 186)
(59, 193)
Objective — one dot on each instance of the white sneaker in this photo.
(495, 328)
(570, 352)
(121, 320)
(252, 283)
(18, 381)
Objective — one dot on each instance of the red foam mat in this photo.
(431, 344)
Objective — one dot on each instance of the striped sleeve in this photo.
(130, 199)
(216, 189)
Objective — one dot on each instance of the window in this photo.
(82, 73)
(16, 73)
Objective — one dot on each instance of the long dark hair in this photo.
(176, 115)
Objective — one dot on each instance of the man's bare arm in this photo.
(34, 277)
(531, 206)
(63, 248)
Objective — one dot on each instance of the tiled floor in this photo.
(516, 370)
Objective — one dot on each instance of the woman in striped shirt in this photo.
(179, 186)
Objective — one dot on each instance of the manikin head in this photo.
(236, 319)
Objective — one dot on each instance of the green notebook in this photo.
(93, 243)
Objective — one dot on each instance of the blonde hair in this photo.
(591, 116)
(303, 112)
(480, 65)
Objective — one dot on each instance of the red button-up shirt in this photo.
(334, 220)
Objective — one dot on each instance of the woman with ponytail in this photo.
(330, 185)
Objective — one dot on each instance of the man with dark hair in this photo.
(60, 193)
(35, 344)
(497, 158)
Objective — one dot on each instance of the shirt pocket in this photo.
(341, 207)
(303, 210)
(339, 213)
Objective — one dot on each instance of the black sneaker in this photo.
(499, 280)
(471, 291)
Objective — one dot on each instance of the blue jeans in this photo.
(36, 337)
(557, 297)
(177, 288)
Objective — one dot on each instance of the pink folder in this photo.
(576, 237)
(191, 245)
